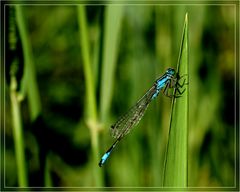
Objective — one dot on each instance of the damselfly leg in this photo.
(175, 83)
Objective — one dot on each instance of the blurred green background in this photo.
(92, 63)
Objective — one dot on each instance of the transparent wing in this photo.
(126, 122)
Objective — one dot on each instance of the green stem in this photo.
(18, 135)
(29, 78)
(47, 175)
(89, 80)
(29, 83)
(112, 29)
(91, 108)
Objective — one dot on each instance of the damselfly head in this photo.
(170, 71)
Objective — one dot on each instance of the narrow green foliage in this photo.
(47, 175)
(29, 83)
(91, 108)
(112, 29)
(91, 112)
(175, 173)
(18, 135)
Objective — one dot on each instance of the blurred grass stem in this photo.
(18, 134)
(112, 29)
(29, 83)
(91, 108)
(29, 79)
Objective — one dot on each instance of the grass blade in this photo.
(91, 107)
(91, 111)
(18, 135)
(175, 170)
(112, 29)
(29, 81)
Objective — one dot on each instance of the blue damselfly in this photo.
(126, 122)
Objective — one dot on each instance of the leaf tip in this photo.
(186, 17)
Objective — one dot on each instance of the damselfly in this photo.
(126, 122)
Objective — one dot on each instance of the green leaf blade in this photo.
(175, 172)
(112, 33)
